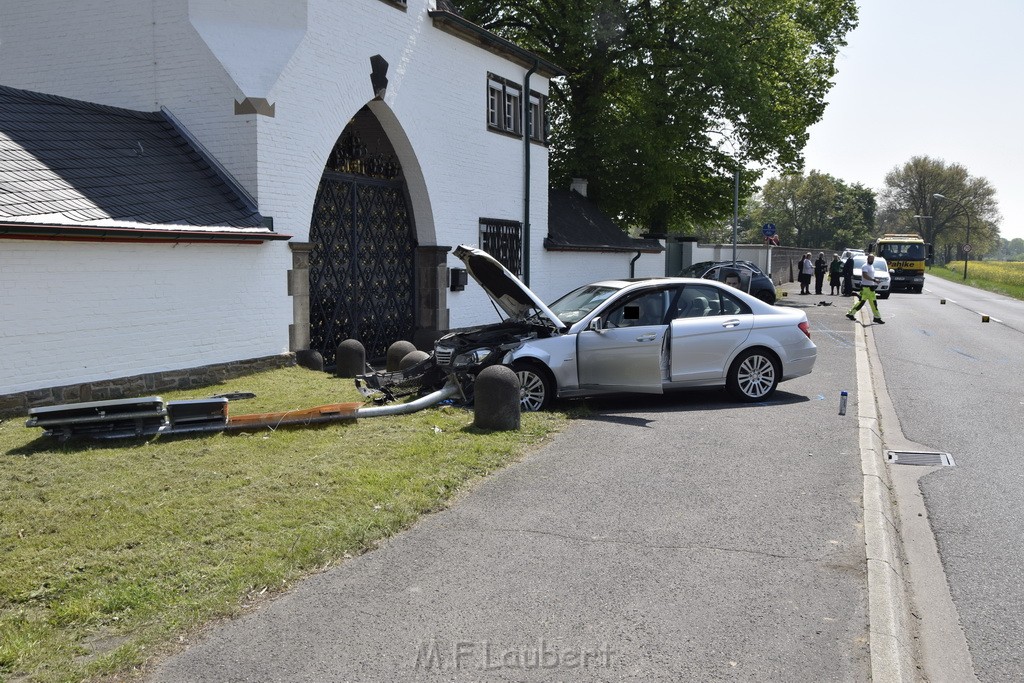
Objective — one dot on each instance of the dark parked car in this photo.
(752, 279)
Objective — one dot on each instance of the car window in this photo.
(647, 308)
(727, 274)
(696, 269)
(573, 306)
(701, 301)
(878, 264)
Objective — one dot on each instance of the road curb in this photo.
(891, 644)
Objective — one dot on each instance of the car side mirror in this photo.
(595, 325)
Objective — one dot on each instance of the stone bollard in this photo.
(496, 399)
(309, 358)
(396, 352)
(412, 358)
(350, 359)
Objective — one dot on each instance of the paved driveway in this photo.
(659, 539)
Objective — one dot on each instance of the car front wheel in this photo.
(753, 375)
(536, 390)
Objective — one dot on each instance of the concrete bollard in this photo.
(496, 399)
(412, 358)
(396, 352)
(310, 358)
(350, 359)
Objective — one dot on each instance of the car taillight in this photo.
(805, 327)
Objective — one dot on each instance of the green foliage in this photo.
(665, 99)
(111, 550)
(1010, 250)
(814, 211)
(909, 191)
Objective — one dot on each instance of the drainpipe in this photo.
(526, 172)
(632, 264)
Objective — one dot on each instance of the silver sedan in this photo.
(641, 336)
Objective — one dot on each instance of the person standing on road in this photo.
(848, 277)
(806, 271)
(835, 275)
(868, 282)
(820, 268)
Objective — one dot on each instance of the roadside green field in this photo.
(1003, 277)
(110, 552)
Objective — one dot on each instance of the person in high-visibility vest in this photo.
(868, 282)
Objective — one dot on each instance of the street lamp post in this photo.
(924, 234)
(735, 212)
(967, 251)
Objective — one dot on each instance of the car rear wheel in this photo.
(753, 375)
(536, 390)
(766, 296)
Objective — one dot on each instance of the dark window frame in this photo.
(503, 239)
(505, 115)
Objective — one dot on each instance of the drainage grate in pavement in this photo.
(919, 458)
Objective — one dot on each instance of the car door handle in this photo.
(731, 323)
(647, 337)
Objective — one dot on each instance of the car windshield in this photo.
(897, 251)
(701, 268)
(879, 264)
(696, 269)
(573, 306)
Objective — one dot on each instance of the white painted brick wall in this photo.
(79, 312)
(76, 305)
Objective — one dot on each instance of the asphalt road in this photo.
(955, 383)
(682, 538)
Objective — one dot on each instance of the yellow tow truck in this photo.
(906, 254)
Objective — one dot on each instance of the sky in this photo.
(937, 78)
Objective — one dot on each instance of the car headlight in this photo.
(474, 357)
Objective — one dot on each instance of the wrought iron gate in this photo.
(361, 268)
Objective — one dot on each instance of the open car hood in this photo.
(504, 288)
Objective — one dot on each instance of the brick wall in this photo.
(86, 312)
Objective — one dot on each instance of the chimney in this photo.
(579, 186)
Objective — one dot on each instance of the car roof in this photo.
(639, 281)
(756, 304)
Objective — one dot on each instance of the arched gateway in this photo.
(363, 246)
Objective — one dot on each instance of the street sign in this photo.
(967, 249)
(768, 229)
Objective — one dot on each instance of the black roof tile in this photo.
(575, 223)
(87, 162)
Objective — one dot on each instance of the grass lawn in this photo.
(112, 551)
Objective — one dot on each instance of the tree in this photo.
(664, 100)
(909, 191)
(1010, 250)
(816, 210)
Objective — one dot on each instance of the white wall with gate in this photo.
(300, 70)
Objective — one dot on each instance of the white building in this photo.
(377, 134)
